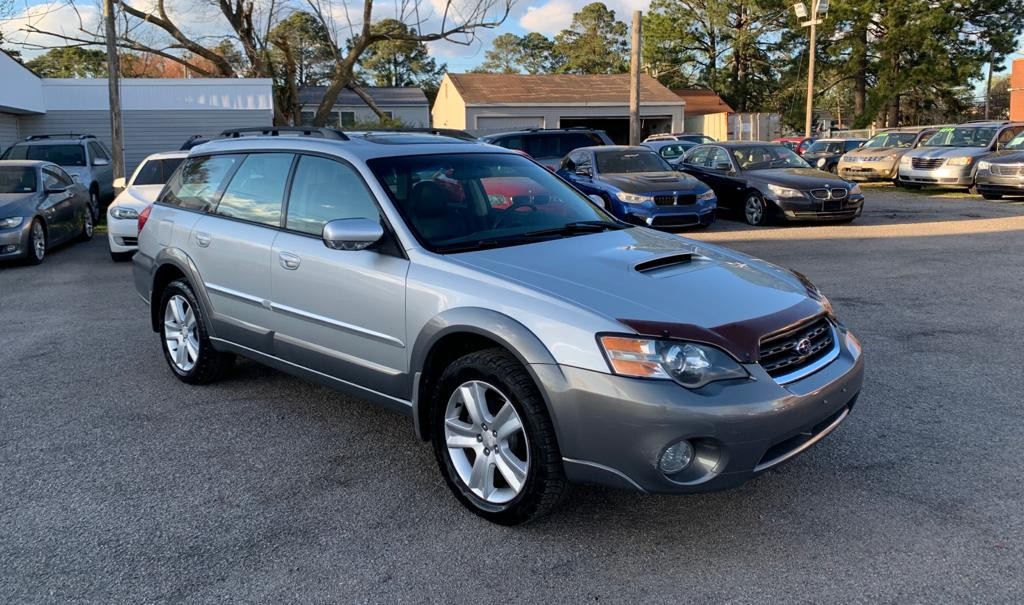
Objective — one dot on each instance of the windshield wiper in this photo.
(575, 228)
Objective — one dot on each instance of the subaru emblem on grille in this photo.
(804, 346)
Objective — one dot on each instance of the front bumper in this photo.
(122, 234)
(991, 184)
(672, 217)
(881, 170)
(943, 176)
(808, 209)
(14, 241)
(612, 430)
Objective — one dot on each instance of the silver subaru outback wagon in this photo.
(534, 339)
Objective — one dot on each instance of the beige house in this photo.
(706, 112)
(488, 103)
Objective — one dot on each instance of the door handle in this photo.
(289, 261)
(202, 239)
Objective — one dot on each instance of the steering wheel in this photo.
(513, 208)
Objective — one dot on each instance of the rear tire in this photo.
(88, 227)
(509, 476)
(94, 205)
(186, 343)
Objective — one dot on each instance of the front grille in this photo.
(1007, 169)
(675, 200)
(679, 220)
(788, 352)
(829, 194)
(927, 163)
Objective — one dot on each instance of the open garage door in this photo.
(618, 128)
(491, 124)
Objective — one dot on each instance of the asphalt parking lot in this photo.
(120, 483)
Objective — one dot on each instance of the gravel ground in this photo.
(121, 484)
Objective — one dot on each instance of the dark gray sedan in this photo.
(40, 207)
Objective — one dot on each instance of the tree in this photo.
(302, 43)
(400, 60)
(152, 28)
(595, 43)
(512, 54)
(70, 62)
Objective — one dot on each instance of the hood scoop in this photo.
(661, 266)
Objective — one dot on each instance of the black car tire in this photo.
(545, 485)
(94, 205)
(973, 190)
(88, 228)
(211, 365)
(121, 257)
(32, 256)
(834, 168)
(992, 196)
(755, 210)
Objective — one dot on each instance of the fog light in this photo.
(676, 457)
(8, 249)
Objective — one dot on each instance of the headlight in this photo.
(905, 160)
(705, 196)
(855, 190)
(11, 222)
(633, 198)
(821, 162)
(984, 165)
(779, 191)
(690, 364)
(960, 161)
(124, 213)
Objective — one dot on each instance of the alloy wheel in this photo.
(94, 205)
(754, 210)
(180, 335)
(88, 227)
(486, 442)
(38, 241)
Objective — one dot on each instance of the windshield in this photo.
(62, 155)
(891, 139)
(826, 147)
(156, 172)
(619, 162)
(1016, 143)
(962, 136)
(460, 202)
(17, 179)
(760, 157)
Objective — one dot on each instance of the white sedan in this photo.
(143, 189)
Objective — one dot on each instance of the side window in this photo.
(51, 180)
(510, 143)
(64, 178)
(324, 190)
(569, 162)
(256, 191)
(585, 163)
(670, 152)
(98, 152)
(199, 182)
(1007, 135)
(851, 145)
(717, 157)
(698, 156)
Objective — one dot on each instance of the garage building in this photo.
(157, 114)
(489, 103)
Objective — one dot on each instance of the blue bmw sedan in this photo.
(638, 186)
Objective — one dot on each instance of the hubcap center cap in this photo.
(490, 441)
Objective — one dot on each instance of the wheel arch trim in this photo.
(177, 258)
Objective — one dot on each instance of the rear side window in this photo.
(156, 172)
(546, 146)
(199, 182)
(256, 191)
(62, 155)
(324, 190)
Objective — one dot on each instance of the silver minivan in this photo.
(533, 338)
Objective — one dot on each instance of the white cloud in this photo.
(57, 17)
(549, 18)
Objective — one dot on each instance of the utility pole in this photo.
(819, 8)
(114, 88)
(634, 83)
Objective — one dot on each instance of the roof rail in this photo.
(441, 132)
(69, 135)
(274, 131)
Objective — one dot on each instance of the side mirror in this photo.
(600, 201)
(57, 189)
(723, 167)
(352, 233)
(100, 162)
(119, 183)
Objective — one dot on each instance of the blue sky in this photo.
(545, 16)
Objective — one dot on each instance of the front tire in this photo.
(94, 205)
(186, 343)
(755, 211)
(37, 243)
(88, 227)
(493, 439)
(992, 196)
